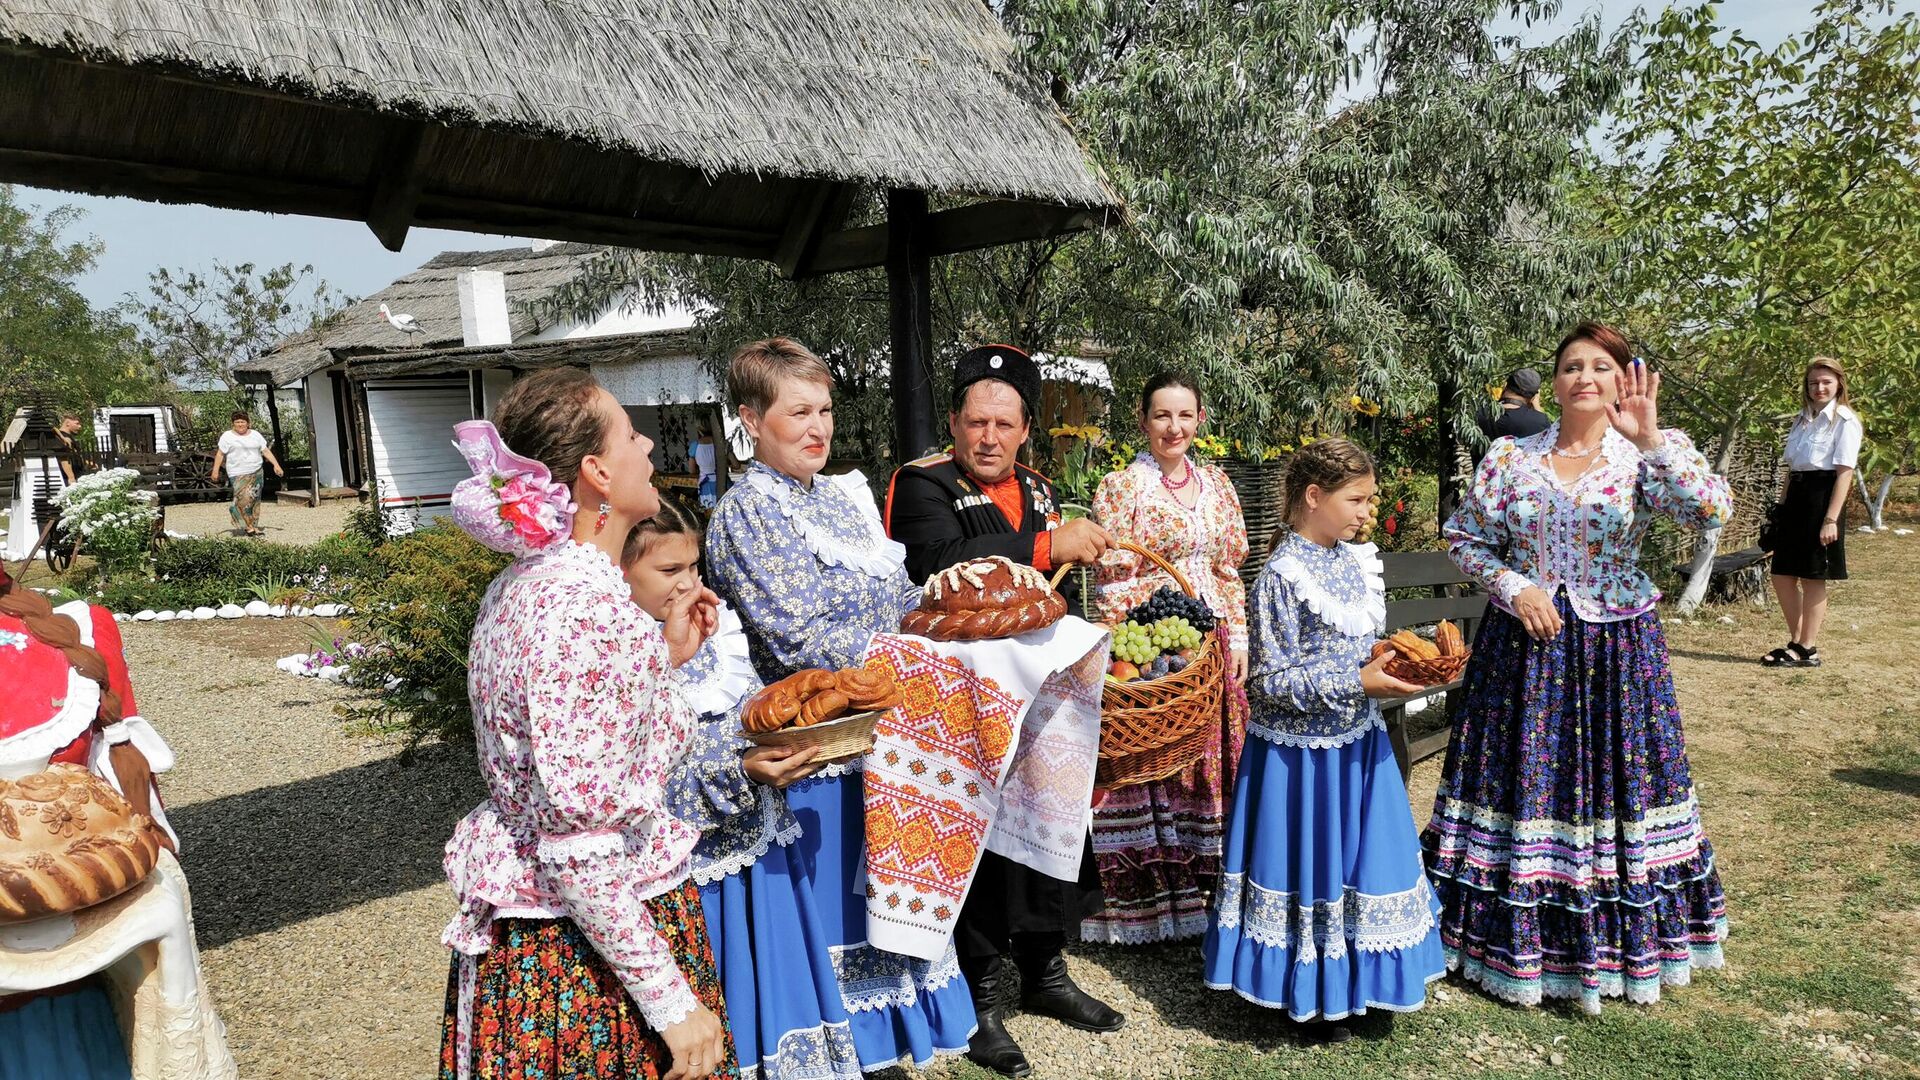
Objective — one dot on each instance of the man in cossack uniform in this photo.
(971, 503)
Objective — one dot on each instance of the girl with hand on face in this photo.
(1158, 844)
(1323, 909)
(1810, 548)
(756, 892)
(1565, 845)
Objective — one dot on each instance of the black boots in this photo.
(991, 1047)
(1047, 989)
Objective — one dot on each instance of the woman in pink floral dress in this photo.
(1158, 844)
(579, 946)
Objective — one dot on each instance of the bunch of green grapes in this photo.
(1174, 633)
(1134, 644)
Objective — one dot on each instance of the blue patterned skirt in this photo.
(1323, 909)
(783, 1005)
(1566, 845)
(71, 1035)
(900, 1009)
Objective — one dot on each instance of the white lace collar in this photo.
(1364, 618)
(36, 744)
(731, 676)
(883, 559)
(570, 556)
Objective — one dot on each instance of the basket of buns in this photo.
(1161, 699)
(1422, 662)
(833, 712)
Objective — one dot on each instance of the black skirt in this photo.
(1797, 550)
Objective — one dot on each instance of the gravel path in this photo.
(314, 856)
(283, 524)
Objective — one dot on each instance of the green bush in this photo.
(415, 611)
(209, 571)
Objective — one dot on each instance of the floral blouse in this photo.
(1520, 526)
(579, 720)
(811, 571)
(738, 819)
(1316, 613)
(1207, 542)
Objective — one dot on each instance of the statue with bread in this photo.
(979, 530)
(99, 973)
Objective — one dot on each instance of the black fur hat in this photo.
(1003, 362)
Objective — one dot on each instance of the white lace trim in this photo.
(572, 554)
(732, 676)
(825, 1052)
(668, 1008)
(74, 715)
(1326, 928)
(581, 847)
(871, 978)
(771, 835)
(886, 557)
(1317, 742)
(1366, 618)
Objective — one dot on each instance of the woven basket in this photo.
(1150, 730)
(849, 737)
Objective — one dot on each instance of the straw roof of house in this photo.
(708, 125)
(431, 295)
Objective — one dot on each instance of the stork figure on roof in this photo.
(404, 323)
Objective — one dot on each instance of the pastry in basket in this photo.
(993, 597)
(1417, 660)
(815, 696)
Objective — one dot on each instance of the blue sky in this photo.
(141, 237)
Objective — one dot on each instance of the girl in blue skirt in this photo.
(783, 1003)
(1323, 909)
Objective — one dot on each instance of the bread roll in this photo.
(68, 841)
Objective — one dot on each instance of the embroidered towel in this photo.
(993, 748)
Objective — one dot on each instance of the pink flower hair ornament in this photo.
(510, 503)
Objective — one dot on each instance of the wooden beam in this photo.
(823, 209)
(396, 190)
(949, 232)
(910, 322)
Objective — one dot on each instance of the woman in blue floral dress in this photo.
(806, 562)
(1566, 844)
(1322, 908)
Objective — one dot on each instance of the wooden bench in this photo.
(1453, 596)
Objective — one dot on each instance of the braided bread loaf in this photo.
(815, 696)
(993, 597)
(68, 841)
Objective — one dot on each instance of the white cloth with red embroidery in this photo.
(993, 748)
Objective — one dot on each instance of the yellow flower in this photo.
(1365, 407)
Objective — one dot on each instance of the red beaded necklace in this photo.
(1190, 477)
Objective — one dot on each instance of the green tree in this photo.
(199, 328)
(1772, 207)
(51, 339)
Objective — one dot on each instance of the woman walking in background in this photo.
(241, 451)
(1566, 846)
(1809, 526)
(1158, 844)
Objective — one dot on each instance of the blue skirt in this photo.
(783, 1005)
(1323, 908)
(71, 1036)
(900, 1009)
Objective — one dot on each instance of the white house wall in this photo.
(617, 319)
(665, 380)
(39, 477)
(162, 424)
(410, 427)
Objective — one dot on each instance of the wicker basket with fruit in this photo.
(1163, 687)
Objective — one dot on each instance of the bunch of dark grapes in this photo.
(1169, 603)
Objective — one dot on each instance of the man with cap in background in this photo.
(1519, 413)
(974, 502)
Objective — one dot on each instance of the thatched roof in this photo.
(431, 295)
(680, 125)
(531, 356)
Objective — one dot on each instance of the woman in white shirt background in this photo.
(1809, 526)
(241, 451)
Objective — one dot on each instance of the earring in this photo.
(601, 522)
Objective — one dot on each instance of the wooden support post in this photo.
(910, 319)
(279, 440)
(396, 188)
